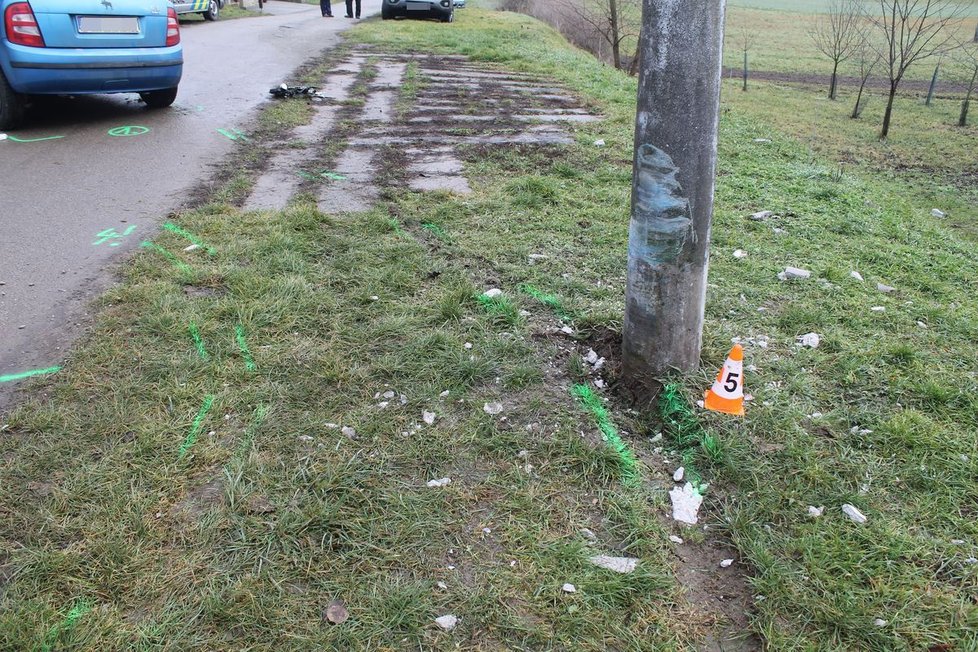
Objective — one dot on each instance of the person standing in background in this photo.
(327, 10)
(349, 8)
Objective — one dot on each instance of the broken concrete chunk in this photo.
(617, 564)
(349, 432)
(739, 253)
(879, 622)
(492, 293)
(878, 309)
(588, 534)
(447, 622)
(492, 408)
(686, 503)
(854, 514)
(760, 216)
(568, 588)
(599, 142)
(792, 273)
(856, 275)
(885, 289)
(566, 330)
(726, 563)
(937, 212)
(441, 482)
(810, 340)
(442, 586)
(815, 512)
(193, 247)
(675, 539)
(428, 417)
(591, 357)
(678, 475)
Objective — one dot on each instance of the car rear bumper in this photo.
(409, 8)
(58, 71)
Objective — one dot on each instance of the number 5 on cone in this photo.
(727, 393)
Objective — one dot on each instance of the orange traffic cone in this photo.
(727, 393)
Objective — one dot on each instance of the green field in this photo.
(158, 498)
(809, 6)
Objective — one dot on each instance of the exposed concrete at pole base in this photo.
(672, 188)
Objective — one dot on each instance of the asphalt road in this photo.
(57, 196)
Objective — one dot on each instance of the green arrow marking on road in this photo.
(128, 130)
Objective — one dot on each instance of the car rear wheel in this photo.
(213, 11)
(450, 18)
(386, 13)
(159, 99)
(11, 105)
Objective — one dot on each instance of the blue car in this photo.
(76, 47)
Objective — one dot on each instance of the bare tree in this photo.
(838, 34)
(745, 42)
(868, 58)
(611, 20)
(913, 30)
(969, 60)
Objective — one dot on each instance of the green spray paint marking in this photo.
(629, 465)
(28, 374)
(179, 264)
(308, 176)
(195, 429)
(111, 234)
(683, 426)
(233, 134)
(548, 300)
(240, 336)
(173, 228)
(32, 140)
(198, 341)
(80, 608)
(435, 229)
(332, 175)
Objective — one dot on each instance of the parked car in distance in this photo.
(443, 10)
(460, 4)
(78, 47)
(209, 9)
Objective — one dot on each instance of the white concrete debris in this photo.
(762, 140)
(675, 539)
(599, 383)
(588, 534)
(591, 356)
(535, 257)
(305, 438)
(374, 297)
(726, 563)
(447, 622)
(686, 503)
(566, 330)
(678, 475)
(390, 394)
(617, 564)
(331, 426)
(815, 512)
(739, 253)
(487, 530)
(792, 273)
(3, 136)
(492, 293)
(492, 408)
(441, 482)
(761, 215)
(428, 417)
(568, 588)
(599, 142)
(854, 514)
(349, 432)
(442, 586)
(467, 345)
(811, 340)
(878, 309)
(193, 247)
(856, 275)
(937, 212)
(921, 324)
(879, 622)
(885, 289)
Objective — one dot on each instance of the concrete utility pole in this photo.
(672, 189)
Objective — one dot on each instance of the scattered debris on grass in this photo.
(622, 565)
(441, 482)
(794, 273)
(854, 514)
(568, 588)
(686, 502)
(447, 622)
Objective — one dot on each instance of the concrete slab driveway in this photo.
(90, 178)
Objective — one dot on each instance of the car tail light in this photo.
(21, 26)
(172, 27)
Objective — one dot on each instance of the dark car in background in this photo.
(442, 10)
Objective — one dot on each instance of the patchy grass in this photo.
(111, 540)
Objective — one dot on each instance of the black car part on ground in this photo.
(285, 91)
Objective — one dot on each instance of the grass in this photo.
(111, 540)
